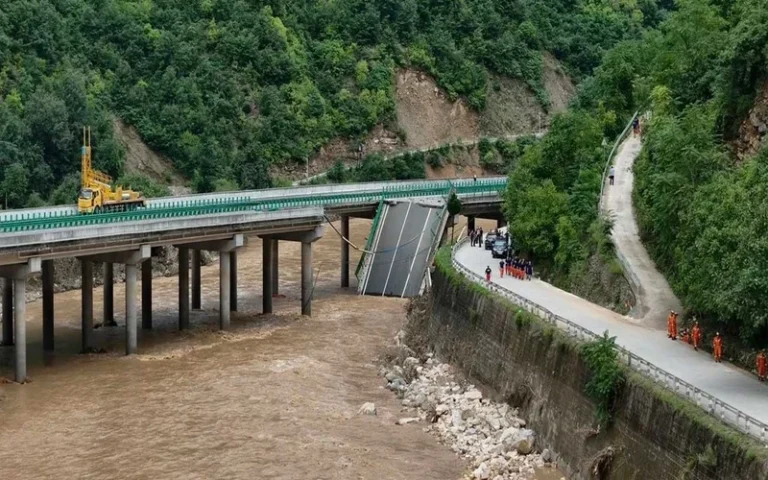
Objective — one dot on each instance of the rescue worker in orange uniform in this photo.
(669, 323)
(673, 327)
(696, 336)
(762, 366)
(717, 348)
(488, 274)
(685, 336)
(501, 268)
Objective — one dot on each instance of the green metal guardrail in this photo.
(187, 208)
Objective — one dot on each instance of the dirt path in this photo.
(654, 297)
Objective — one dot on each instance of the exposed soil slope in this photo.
(140, 159)
(427, 116)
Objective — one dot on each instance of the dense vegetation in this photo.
(226, 88)
(702, 211)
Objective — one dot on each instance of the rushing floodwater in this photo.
(275, 397)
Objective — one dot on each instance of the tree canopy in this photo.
(227, 88)
(700, 207)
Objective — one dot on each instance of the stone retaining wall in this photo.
(655, 434)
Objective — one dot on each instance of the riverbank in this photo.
(489, 435)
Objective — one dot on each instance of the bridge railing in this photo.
(39, 220)
(712, 405)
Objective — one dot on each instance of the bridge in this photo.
(31, 239)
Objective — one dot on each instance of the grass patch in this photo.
(606, 376)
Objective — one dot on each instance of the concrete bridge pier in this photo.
(20, 327)
(86, 305)
(109, 295)
(501, 223)
(344, 251)
(470, 223)
(267, 281)
(17, 276)
(306, 278)
(7, 312)
(196, 287)
(233, 281)
(146, 294)
(131, 259)
(227, 278)
(183, 287)
(131, 327)
(306, 238)
(48, 308)
(224, 289)
(275, 269)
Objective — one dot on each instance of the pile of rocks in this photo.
(490, 435)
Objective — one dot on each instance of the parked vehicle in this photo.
(500, 248)
(490, 237)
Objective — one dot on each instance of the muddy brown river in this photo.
(275, 397)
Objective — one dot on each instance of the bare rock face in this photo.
(754, 128)
(489, 435)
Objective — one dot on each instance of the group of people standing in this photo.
(476, 237)
(516, 267)
(693, 337)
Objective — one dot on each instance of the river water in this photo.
(274, 397)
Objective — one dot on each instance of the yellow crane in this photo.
(96, 194)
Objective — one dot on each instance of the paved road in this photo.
(654, 297)
(730, 384)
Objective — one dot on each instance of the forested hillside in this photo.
(702, 209)
(224, 88)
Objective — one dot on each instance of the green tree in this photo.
(15, 185)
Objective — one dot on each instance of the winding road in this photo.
(644, 335)
(653, 295)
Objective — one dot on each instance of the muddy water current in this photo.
(275, 397)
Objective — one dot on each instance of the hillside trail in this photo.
(653, 295)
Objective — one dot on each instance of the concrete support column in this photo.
(196, 287)
(501, 223)
(266, 267)
(146, 294)
(7, 312)
(306, 279)
(131, 326)
(183, 288)
(47, 278)
(233, 281)
(20, 330)
(344, 252)
(224, 289)
(87, 305)
(470, 223)
(275, 269)
(109, 295)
